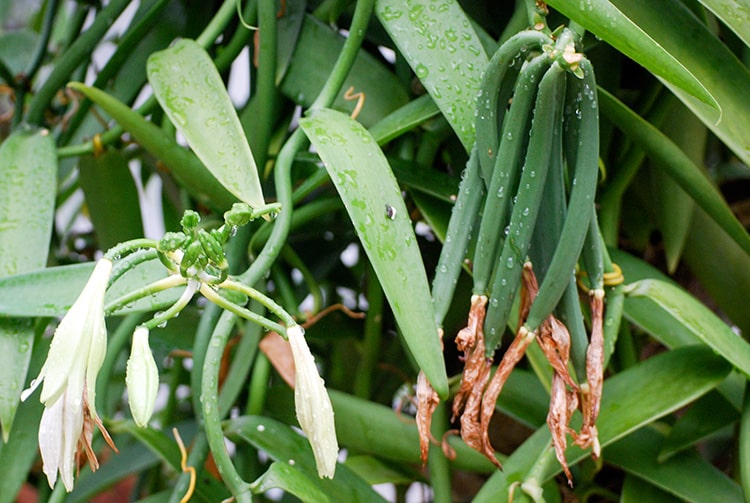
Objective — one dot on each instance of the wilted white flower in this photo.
(314, 410)
(69, 376)
(142, 378)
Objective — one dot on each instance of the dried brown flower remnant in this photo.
(558, 418)
(427, 402)
(470, 340)
(471, 431)
(511, 357)
(591, 393)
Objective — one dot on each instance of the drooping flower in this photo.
(314, 410)
(142, 378)
(69, 382)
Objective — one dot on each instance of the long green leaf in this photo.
(283, 444)
(630, 400)
(50, 292)
(676, 164)
(441, 46)
(609, 21)
(183, 164)
(687, 475)
(28, 170)
(733, 13)
(190, 90)
(364, 180)
(696, 318)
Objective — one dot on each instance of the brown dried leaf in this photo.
(591, 394)
(470, 426)
(529, 289)
(279, 353)
(427, 402)
(554, 340)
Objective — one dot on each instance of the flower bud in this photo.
(142, 378)
(314, 410)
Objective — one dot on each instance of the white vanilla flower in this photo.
(142, 378)
(314, 411)
(69, 376)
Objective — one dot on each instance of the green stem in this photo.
(372, 336)
(295, 261)
(243, 359)
(212, 417)
(120, 250)
(176, 308)
(240, 38)
(264, 300)
(440, 474)
(265, 89)
(36, 60)
(344, 63)
(211, 32)
(116, 342)
(72, 58)
(240, 311)
(258, 386)
(129, 42)
(196, 458)
(155, 287)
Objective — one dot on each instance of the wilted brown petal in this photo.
(470, 426)
(512, 356)
(592, 393)
(557, 420)
(470, 340)
(427, 402)
(554, 340)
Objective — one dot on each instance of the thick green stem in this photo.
(372, 337)
(155, 287)
(240, 311)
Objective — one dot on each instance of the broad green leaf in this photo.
(190, 90)
(374, 429)
(364, 180)
(674, 206)
(28, 170)
(19, 453)
(314, 56)
(283, 444)
(733, 13)
(635, 490)
(50, 292)
(610, 21)
(442, 48)
(182, 163)
(706, 416)
(404, 119)
(371, 428)
(696, 319)
(111, 197)
(630, 400)
(721, 266)
(682, 36)
(375, 471)
(686, 475)
(676, 164)
(282, 475)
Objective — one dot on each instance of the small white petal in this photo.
(314, 410)
(142, 378)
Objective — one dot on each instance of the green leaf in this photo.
(315, 54)
(366, 185)
(630, 400)
(733, 13)
(182, 163)
(677, 165)
(635, 490)
(282, 475)
(28, 170)
(687, 475)
(706, 416)
(192, 94)
(284, 445)
(442, 48)
(696, 319)
(111, 197)
(50, 292)
(613, 23)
